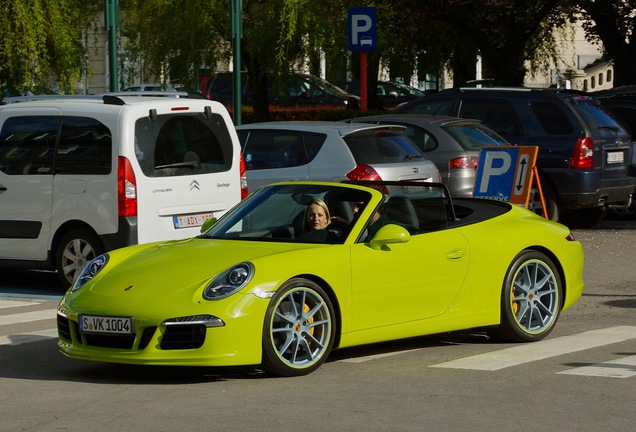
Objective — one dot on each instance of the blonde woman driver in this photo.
(317, 215)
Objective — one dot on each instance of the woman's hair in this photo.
(320, 203)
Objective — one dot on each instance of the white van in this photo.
(81, 175)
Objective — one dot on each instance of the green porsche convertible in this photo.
(299, 269)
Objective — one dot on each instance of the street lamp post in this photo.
(111, 12)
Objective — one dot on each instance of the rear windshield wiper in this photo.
(610, 127)
(412, 156)
(188, 164)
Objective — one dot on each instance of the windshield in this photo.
(602, 121)
(281, 213)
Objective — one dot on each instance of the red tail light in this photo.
(243, 179)
(583, 157)
(126, 188)
(363, 172)
(463, 163)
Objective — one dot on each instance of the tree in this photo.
(41, 41)
(612, 24)
(509, 34)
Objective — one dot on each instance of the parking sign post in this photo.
(362, 33)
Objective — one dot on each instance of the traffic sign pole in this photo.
(363, 80)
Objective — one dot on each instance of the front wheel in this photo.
(299, 330)
(531, 298)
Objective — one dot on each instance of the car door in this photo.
(27, 145)
(407, 282)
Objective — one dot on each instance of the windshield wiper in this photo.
(188, 164)
(610, 127)
(412, 156)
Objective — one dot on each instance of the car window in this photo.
(434, 107)
(177, 145)
(313, 144)
(378, 147)
(498, 115)
(473, 137)
(602, 121)
(85, 147)
(425, 140)
(27, 144)
(552, 118)
(277, 213)
(267, 149)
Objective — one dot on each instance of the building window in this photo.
(592, 82)
(609, 75)
(600, 79)
(584, 85)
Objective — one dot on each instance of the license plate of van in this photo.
(193, 220)
(615, 157)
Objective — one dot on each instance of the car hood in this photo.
(165, 268)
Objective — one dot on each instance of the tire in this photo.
(76, 249)
(584, 218)
(299, 329)
(551, 202)
(627, 213)
(531, 298)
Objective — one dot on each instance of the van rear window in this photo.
(182, 144)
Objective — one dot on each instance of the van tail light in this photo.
(583, 157)
(463, 163)
(243, 179)
(126, 188)
(363, 172)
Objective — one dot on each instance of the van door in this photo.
(187, 169)
(27, 146)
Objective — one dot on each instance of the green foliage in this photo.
(41, 42)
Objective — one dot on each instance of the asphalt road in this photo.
(581, 378)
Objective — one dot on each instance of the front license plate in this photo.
(615, 157)
(106, 325)
(188, 221)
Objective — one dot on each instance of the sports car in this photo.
(262, 287)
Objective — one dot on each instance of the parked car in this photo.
(80, 175)
(584, 148)
(257, 290)
(330, 151)
(452, 144)
(298, 89)
(389, 94)
(149, 87)
(622, 100)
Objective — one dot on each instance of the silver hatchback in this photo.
(331, 151)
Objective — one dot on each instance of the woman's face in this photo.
(316, 217)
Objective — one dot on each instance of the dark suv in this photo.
(584, 149)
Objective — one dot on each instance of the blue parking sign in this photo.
(361, 29)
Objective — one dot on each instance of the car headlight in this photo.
(229, 282)
(89, 272)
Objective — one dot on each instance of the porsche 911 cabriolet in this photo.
(261, 286)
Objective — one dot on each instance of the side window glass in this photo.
(85, 147)
(27, 145)
(498, 115)
(273, 149)
(177, 145)
(552, 118)
(434, 107)
(422, 138)
(313, 144)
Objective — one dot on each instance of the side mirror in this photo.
(389, 234)
(207, 224)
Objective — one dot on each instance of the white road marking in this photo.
(526, 353)
(624, 367)
(375, 356)
(23, 338)
(15, 303)
(28, 317)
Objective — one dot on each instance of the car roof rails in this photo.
(113, 98)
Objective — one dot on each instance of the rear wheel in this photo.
(531, 298)
(551, 202)
(76, 249)
(299, 330)
(585, 218)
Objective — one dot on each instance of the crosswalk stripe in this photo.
(15, 303)
(28, 317)
(526, 353)
(22, 338)
(624, 367)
